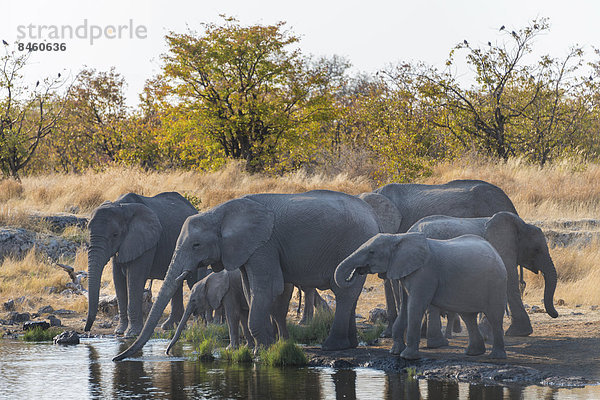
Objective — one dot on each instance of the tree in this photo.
(248, 88)
(27, 114)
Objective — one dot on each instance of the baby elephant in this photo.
(219, 289)
(465, 275)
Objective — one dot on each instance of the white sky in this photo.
(371, 34)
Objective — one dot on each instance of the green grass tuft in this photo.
(371, 334)
(205, 349)
(41, 335)
(316, 331)
(242, 354)
(284, 353)
(411, 373)
(198, 333)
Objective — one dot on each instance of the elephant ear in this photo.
(216, 287)
(246, 226)
(502, 231)
(409, 252)
(387, 213)
(143, 231)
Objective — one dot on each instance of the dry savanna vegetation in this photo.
(562, 191)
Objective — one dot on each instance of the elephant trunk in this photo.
(186, 315)
(347, 271)
(549, 288)
(170, 285)
(97, 259)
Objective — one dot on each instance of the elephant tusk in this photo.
(181, 277)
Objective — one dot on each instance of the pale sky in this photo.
(371, 34)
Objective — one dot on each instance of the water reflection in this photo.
(86, 371)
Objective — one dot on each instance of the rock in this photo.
(17, 242)
(62, 311)
(50, 289)
(54, 321)
(108, 305)
(560, 302)
(576, 313)
(358, 316)
(593, 308)
(57, 223)
(46, 310)
(377, 315)
(35, 324)
(9, 305)
(16, 317)
(105, 325)
(67, 337)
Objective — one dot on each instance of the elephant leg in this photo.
(280, 309)
(135, 290)
(233, 323)
(176, 310)
(320, 303)
(343, 331)
(390, 305)
(120, 282)
(435, 338)
(399, 328)
(476, 343)
(451, 322)
(309, 305)
(495, 317)
(457, 326)
(245, 330)
(416, 308)
(520, 324)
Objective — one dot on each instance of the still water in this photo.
(46, 371)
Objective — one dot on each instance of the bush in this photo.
(205, 349)
(239, 355)
(370, 334)
(284, 353)
(198, 333)
(316, 331)
(38, 334)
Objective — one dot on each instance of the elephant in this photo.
(139, 234)
(400, 205)
(464, 275)
(312, 301)
(275, 239)
(224, 289)
(517, 242)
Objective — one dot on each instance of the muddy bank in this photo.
(564, 352)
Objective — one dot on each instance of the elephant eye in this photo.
(196, 245)
(115, 234)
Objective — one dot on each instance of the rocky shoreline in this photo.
(454, 370)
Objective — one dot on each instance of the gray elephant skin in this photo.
(399, 206)
(275, 238)
(139, 234)
(517, 242)
(464, 275)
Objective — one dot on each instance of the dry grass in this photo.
(84, 192)
(565, 190)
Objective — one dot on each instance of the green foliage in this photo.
(205, 349)
(411, 373)
(198, 333)
(283, 353)
(38, 334)
(195, 200)
(371, 334)
(242, 354)
(316, 331)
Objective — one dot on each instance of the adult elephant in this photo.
(139, 234)
(517, 242)
(399, 206)
(275, 238)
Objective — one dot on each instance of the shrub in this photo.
(316, 331)
(370, 334)
(38, 334)
(242, 354)
(205, 349)
(283, 353)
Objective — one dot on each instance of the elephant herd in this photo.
(451, 248)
